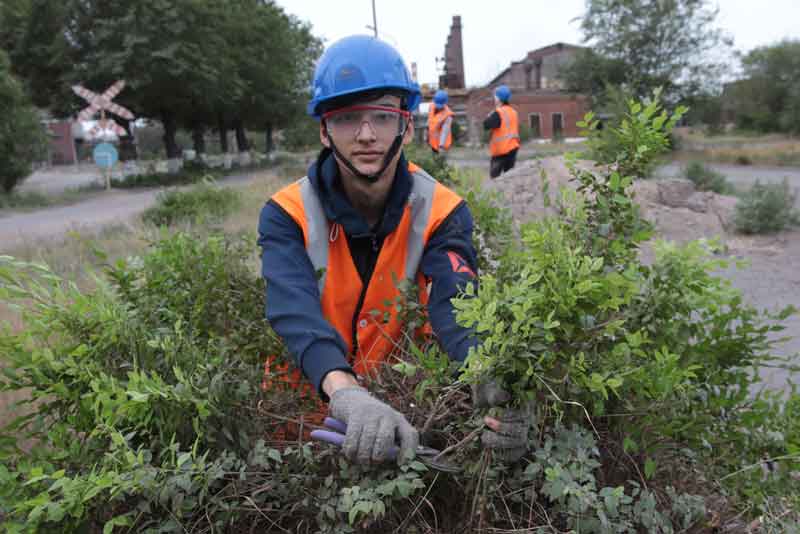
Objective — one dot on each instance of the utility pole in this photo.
(374, 20)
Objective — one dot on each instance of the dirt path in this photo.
(100, 209)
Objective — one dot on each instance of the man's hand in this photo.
(373, 427)
(508, 434)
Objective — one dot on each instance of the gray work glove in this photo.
(373, 427)
(510, 441)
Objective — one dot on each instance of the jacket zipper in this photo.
(357, 312)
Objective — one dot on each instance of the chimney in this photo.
(454, 58)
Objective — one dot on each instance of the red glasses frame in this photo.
(403, 112)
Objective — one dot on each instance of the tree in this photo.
(768, 98)
(32, 33)
(662, 43)
(275, 56)
(592, 74)
(21, 133)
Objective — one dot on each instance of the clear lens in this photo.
(385, 122)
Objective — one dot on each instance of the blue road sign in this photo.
(105, 155)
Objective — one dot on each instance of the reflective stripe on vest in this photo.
(505, 138)
(376, 325)
(420, 200)
(436, 121)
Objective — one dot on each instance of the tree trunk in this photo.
(269, 145)
(223, 134)
(199, 139)
(241, 138)
(127, 143)
(170, 128)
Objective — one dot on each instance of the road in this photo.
(99, 209)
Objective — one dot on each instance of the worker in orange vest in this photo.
(504, 141)
(335, 243)
(440, 121)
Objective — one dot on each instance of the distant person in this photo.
(504, 125)
(440, 121)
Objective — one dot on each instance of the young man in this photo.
(504, 141)
(336, 242)
(440, 121)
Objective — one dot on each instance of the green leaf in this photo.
(650, 468)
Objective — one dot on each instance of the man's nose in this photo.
(365, 133)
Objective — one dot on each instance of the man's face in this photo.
(363, 134)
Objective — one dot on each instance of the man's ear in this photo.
(409, 135)
(323, 135)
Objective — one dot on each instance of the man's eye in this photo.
(383, 117)
(345, 118)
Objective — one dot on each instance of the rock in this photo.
(698, 202)
(724, 207)
(675, 192)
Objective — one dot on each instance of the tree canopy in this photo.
(768, 98)
(190, 63)
(21, 133)
(647, 44)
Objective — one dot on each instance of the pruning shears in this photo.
(428, 456)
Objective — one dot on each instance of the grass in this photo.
(739, 148)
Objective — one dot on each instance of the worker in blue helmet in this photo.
(440, 121)
(503, 123)
(364, 217)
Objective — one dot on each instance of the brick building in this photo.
(538, 94)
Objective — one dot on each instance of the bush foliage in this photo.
(150, 410)
(635, 139)
(707, 179)
(205, 201)
(766, 208)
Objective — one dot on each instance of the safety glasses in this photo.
(386, 122)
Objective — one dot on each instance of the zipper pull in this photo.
(374, 242)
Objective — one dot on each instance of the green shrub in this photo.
(707, 179)
(633, 143)
(434, 164)
(147, 411)
(766, 208)
(204, 201)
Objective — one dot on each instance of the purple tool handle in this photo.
(335, 424)
(337, 434)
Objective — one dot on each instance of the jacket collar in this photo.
(326, 180)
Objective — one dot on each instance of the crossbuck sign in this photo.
(102, 103)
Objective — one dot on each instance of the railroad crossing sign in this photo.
(105, 155)
(102, 103)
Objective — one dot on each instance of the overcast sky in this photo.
(497, 32)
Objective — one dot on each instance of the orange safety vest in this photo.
(505, 138)
(375, 324)
(436, 120)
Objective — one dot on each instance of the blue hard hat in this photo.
(356, 64)
(440, 98)
(503, 93)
